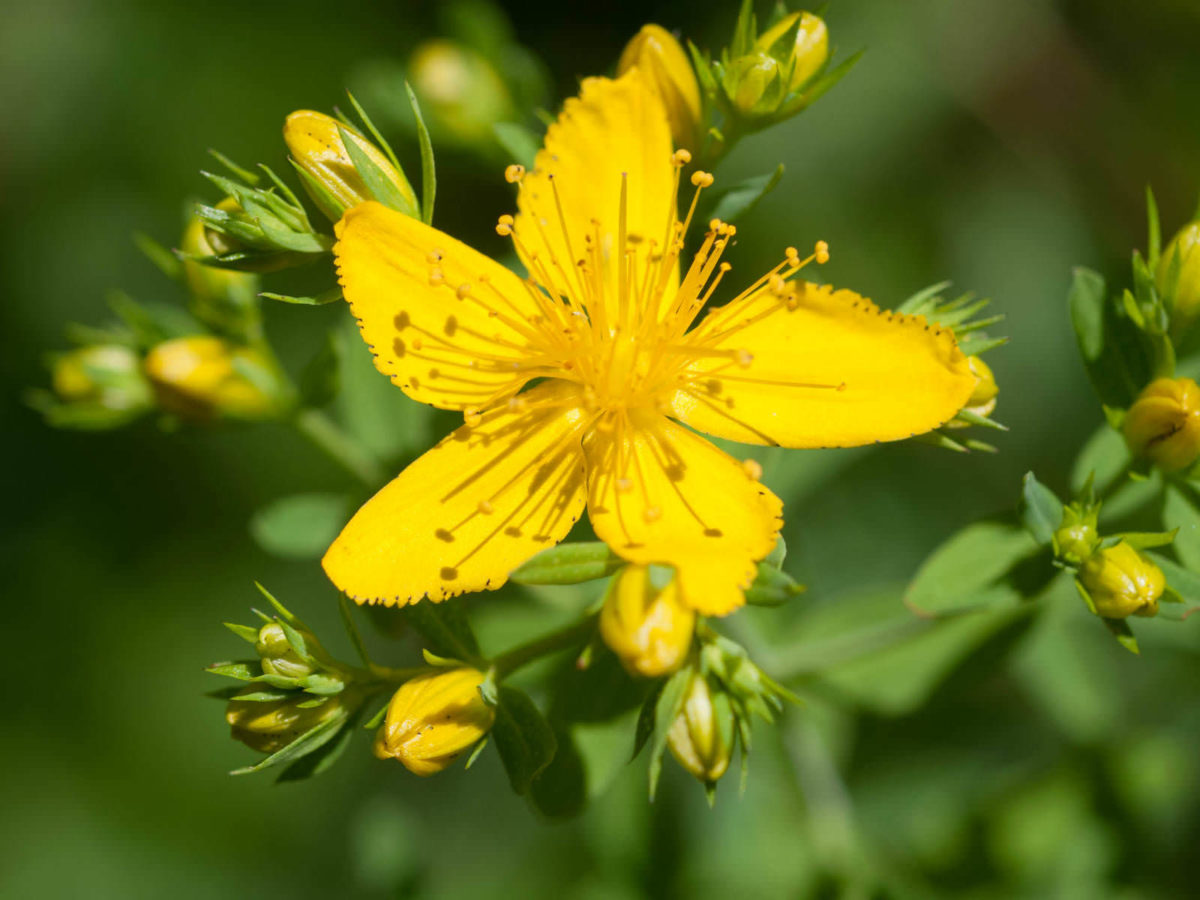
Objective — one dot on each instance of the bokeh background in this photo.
(993, 144)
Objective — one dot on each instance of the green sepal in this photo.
(377, 718)
(428, 170)
(1141, 540)
(666, 709)
(1120, 629)
(569, 564)
(378, 185)
(321, 758)
(333, 295)
(163, 259)
(441, 662)
(772, 587)
(475, 753)
(523, 738)
(309, 742)
(246, 632)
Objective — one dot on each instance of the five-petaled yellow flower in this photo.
(580, 385)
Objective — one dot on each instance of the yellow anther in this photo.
(777, 285)
(715, 225)
(471, 416)
(514, 173)
(702, 179)
(462, 290)
(435, 256)
(504, 226)
(821, 253)
(681, 157)
(792, 254)
(436, 276)
(752, 468)
(744, 358)
(485, 508)
(725, 267)
(652, 513)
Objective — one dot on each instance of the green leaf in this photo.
(560, 791)
(245, 632)
(666, 711)
(1179, 510)
(1104, 455)
(1154, 230)
(1144, 540)
(301, 526)
(333, 295)
(444, 628)
(967, 572)
(518, 142)
(242, 670)
(523, 737)
(772, 587)
(166, 261)
(569, 564)
(320, 759)
(1115, 351)
(309, 742)
(598, 692)
(1041, 510)
(1185, 582)
(428, 172)
(377, 182)
(322, 376)
(740, 199)
(1120, 629)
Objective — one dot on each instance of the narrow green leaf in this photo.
(1041, 510)
(164, 259)
(356, 638)
(1154, 230)
(772, 587)
(968, 572)
(1120, 629)
(245, 632)
(320, 759)
(238, 171)
(377, 182)
(741, 199)
(333, 295)
(666, 710)
(523, 737)
(428, 171)
(569, 564)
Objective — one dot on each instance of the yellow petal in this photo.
(826, 369)
(472, 509)
(614, 130)
(657, 493)
(444, 322)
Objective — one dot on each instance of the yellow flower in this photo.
(1122, 582)
(1164, 424)
(1185, 245)
(270, 725)
(648, 629)
(433, 718)
(695, 737)
(202, 376)
(811, 49)
(316, 145)
(611, 334)
(667, 69)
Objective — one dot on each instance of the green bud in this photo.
(1122, 582)
(106, 375)
(752, 84)
(807, 54)
(270, 725)
(1182, 258)
(277, 654)
(1077, 536)
(701, 738)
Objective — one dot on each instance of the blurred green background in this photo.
(994, 144)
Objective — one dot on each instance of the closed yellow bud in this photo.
(810, 51)
(749, 79)
(666, 67)
(648, 629)
(460, 91)
(696, 738)
(1122, 582)
(1186, 246)
(1163, 425)
(433, 718)
(203, 376)
(270, 725)
(108, 375)
(316, 145)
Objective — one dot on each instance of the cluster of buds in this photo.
(202, 377)
(1178, 278)
(962, 316)
(296, 698)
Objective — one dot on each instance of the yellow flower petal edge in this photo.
(444, 322)
(471, 510)
(657, 493)
(610, 147)
(816, 367)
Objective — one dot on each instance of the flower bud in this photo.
(270, 725)
(1163, 425)
(666, 67)
(460, 90)
(106, 375)
(1186, 246)
(1122, 582)
(648, 629)
(696, 737)
(433, 718)
(219, 297)
(203, 376)
(277, 655)
(1075, 543)
(751, 81)
(316, 145)
(810, 51)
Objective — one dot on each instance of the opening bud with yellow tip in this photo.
(1178, 276)
(1122, 582)
(648, 628)
(806, 55)
(330, 176)
(666, 67)
(270, 725)
(433, 718)
(701, 737)
(202, 377)
(1163, 424)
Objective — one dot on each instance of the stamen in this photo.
(821, 253)
(753, 468)
(514, 173)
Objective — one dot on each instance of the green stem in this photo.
(327, 436)
(570, 636)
